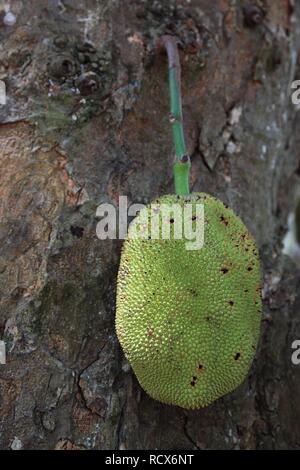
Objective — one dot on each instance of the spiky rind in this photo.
(189, 320)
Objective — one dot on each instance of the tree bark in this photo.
(86, 121)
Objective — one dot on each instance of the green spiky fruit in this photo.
(189, 320)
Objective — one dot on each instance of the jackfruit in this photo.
(188, 320)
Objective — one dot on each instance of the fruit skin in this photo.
(189, 321)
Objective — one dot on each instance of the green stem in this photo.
(182, 164)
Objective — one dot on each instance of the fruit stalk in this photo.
(182, 164)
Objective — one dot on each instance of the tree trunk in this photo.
(86, 120)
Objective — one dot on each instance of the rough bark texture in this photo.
(86, 121)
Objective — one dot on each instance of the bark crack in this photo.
(80, 390)
(187, 434)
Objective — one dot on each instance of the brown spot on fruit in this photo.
(150, 331)
(237, 356)
(224, 220)
(193, 381)
(193, 292)
(231, 303)
(224, 270)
